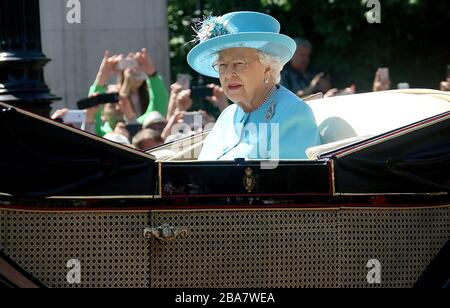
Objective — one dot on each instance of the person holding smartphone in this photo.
(181, 97)
(138, 83)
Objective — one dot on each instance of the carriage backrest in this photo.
(371, 114)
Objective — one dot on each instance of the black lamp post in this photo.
(22, 62)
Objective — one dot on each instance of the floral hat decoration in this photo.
(237, 30)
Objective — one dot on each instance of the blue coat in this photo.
(282, 128)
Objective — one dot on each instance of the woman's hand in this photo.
(125, 90)
(133, 79)
(145, 62)
(331, 93)
(335, 92)
(175, 89)
(177, 117)
(183, 100)
(316, 80)
(127, 109)
(108, 68)
(121, 129)
(312, 88)
(59, 114)
(219, 98)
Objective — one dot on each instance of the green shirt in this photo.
(159, 101)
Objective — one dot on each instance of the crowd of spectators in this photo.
(147, 114)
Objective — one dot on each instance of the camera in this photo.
(100, 99)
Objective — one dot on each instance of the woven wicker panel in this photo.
(248, 249)
(2, 229)
(295, 248)
(403, 241)
(110, 247)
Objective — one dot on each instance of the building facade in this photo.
(75, 34)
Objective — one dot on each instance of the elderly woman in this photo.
(267, 121)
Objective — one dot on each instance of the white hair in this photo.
(274, 63)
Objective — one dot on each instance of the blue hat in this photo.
(238, 30)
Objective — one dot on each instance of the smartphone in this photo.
(74, 116)
(201, 92)
(184, 80)
(100, 99)
(127, 63)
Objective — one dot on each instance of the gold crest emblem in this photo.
(249, 180)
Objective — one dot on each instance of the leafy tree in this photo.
(412, 39)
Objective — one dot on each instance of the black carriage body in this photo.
(41, 158)
(134, 221)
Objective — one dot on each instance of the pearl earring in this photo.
(266, 81)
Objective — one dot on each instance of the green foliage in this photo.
(412, 39)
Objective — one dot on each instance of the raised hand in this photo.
(145, 62)
(184, 100)
(219, 98)
(108, 68)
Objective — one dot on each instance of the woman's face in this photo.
(112, 114)
(242, 76)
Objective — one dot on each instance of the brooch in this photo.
(270, 111)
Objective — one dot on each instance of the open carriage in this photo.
(374, 196)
